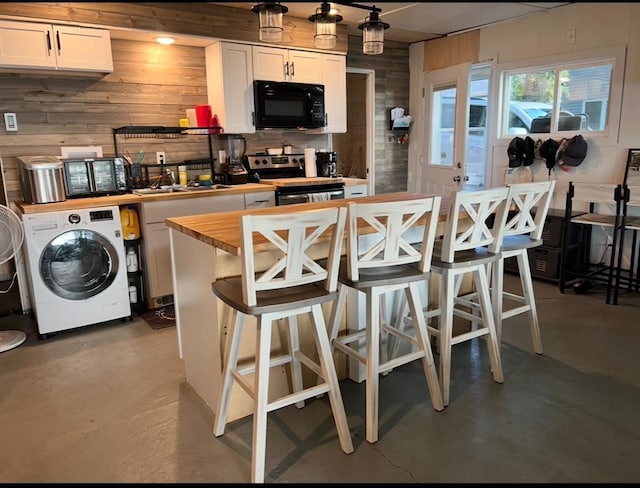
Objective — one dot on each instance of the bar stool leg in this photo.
(373, 362)
(446, 331)
(232, 346)
(261, 389)
(329, 372)
(294, 347)
(530, 301)
(493, 346)
(428, 363)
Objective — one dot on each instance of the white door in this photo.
(446, 99)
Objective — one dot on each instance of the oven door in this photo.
(306, 194)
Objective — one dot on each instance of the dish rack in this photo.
(142, 175)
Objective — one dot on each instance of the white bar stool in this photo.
(377, 263)
(294, 284)
(528, 205)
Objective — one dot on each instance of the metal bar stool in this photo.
(293, 284)
(377, 263)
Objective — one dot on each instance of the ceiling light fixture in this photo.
(165, 41)
(325, 24)
(372, 28)
(373, 33)
(270, 17)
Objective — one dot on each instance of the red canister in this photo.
(203, 115)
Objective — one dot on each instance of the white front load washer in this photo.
(77, 268)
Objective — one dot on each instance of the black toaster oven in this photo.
(94, 177)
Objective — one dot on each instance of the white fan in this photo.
(11, 237)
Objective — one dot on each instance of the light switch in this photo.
(10, 122)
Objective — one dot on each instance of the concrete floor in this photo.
(110, 403)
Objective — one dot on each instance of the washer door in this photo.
(78, 264)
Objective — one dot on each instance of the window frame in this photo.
(616, 56)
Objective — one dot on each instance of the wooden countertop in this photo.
(130, 198)
(222, 230)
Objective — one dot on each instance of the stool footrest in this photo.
(469, 335)
(298, 396)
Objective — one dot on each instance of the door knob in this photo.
(457, 179)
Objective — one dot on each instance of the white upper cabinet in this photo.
(334, 79)
(278, 64)
(28, 45)
(230, 86)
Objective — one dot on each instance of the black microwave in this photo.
(94, 177)
(287, 105)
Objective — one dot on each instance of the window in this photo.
(565, 96)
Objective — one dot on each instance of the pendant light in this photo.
(325, 26)
(270, 17)
(373, 33)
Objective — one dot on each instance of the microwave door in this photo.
(77, 177)
(104, 177)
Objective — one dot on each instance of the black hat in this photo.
(574, 152)
(515, 151)
(548, 152)
(529, 155)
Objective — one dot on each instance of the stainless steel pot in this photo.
(41, 179)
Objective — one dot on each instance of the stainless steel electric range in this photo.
(288, 169)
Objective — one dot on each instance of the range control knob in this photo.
(74, 219)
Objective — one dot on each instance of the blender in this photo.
(233, 168)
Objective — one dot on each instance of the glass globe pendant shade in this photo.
(270, 18)
(325, 27)
(373, 34)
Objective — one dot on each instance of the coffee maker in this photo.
(233, 168)
(327, 163)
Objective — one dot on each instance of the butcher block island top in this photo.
(222, 230)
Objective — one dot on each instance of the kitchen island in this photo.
(207, 247)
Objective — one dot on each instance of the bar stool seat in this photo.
(293, 284)
(378, 263)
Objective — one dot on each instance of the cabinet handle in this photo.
(58, 41)
(49, 42)
(286, 69)
(293, 71)
(253, 118)
(326, 119)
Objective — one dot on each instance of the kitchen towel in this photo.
(310, 170)
(322, 196)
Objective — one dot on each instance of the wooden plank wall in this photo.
(450, 51)
(391, 90)
(150, 85)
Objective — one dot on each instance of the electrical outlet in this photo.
(160, 157)
(571, 36)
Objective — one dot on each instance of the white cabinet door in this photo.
(43, 46)
(155, 236)
(230, 86)
(158, 261)
(270, 63)
(27, 45)
(334, 79)
(305, 67)
(82, 49)
(278, 64)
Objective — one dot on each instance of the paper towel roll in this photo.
(310, 170)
